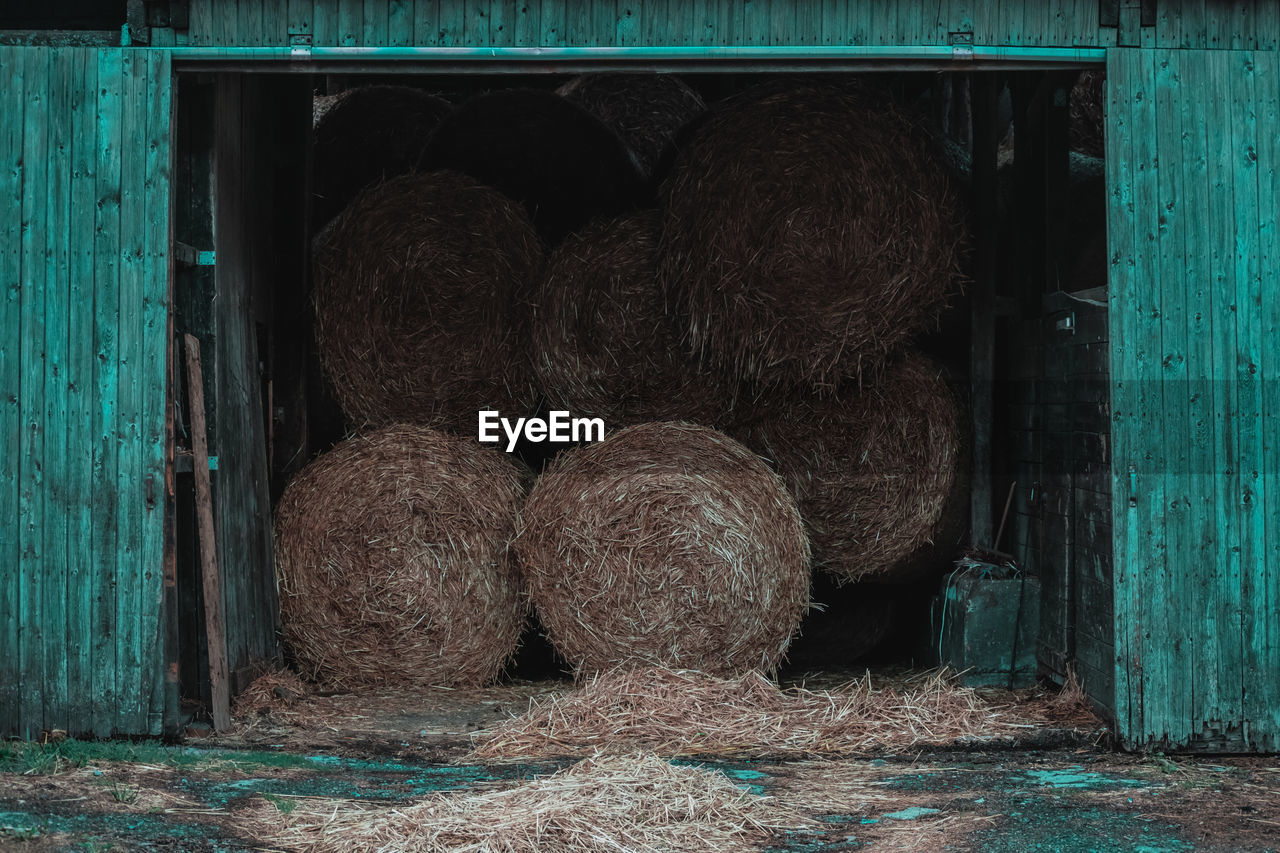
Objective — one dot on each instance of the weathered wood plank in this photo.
(1222, 579)
(106, 329)
(300, 14)
(400, 23)
(1203, 544)
(210, 571)
(200, 22)
(451, 24)
(1263, 634)
(1171, 305)
(130, 601)
(350, 31)
(56, 496)
(375, 25)
(324, 23)
(13, 98)
(156, 335)
(1122, 74)
(248, 19)
(1251, 500)
(552, 23)
(32, 388)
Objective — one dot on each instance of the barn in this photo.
(157, 180)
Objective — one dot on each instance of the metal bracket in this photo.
(299, 45)
(962, 45)
(190, 256)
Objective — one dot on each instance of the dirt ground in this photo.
(1059, 788)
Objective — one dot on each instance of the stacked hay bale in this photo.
(421, 292)
(646, 111)
(809, 232)
(605, 343)
(391, 553)
(667, 544)
(554, 157)
(874, 472)
(366, 135)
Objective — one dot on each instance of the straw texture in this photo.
(605, 344)
(421, 295)
(646, 111)
(669, 544)
(366, 135)
(872, 471)
(635, 803)
(392, 561)
(686, 713)
(810, 230)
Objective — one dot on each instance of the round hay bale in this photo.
(604, 344)
(872, 472)
(646, 111)
(366, 135)
(667, 544)
(421, 296)
(1086, 114)
(809, 231)
(392, 561)
(540, 149)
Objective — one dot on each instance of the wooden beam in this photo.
(985, 97)
(213, 607)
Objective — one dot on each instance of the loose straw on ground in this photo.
(684, 712)
(636, 803)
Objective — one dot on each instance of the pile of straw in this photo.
(391, 555)
(604, 343)
(684, 713)
(636, 803)
(668, 544)
(873, 473)
(366, 135)
(810, 230)
(271, 689)
(421, 296)
(542, 150)
(647, 111)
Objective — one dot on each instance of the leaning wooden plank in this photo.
(130, 691)
(80, 400)
(31, 390)
(12, 102)
(106, 328)
(211, 577)
(57, 499)
(154, 368)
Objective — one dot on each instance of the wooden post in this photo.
(212, 577)
(985, 95)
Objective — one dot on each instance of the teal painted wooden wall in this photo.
(84, 198)
(1192, 157)
(558, 23)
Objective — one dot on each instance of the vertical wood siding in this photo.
(84, 195)
(561, 23)
(1192, 155)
